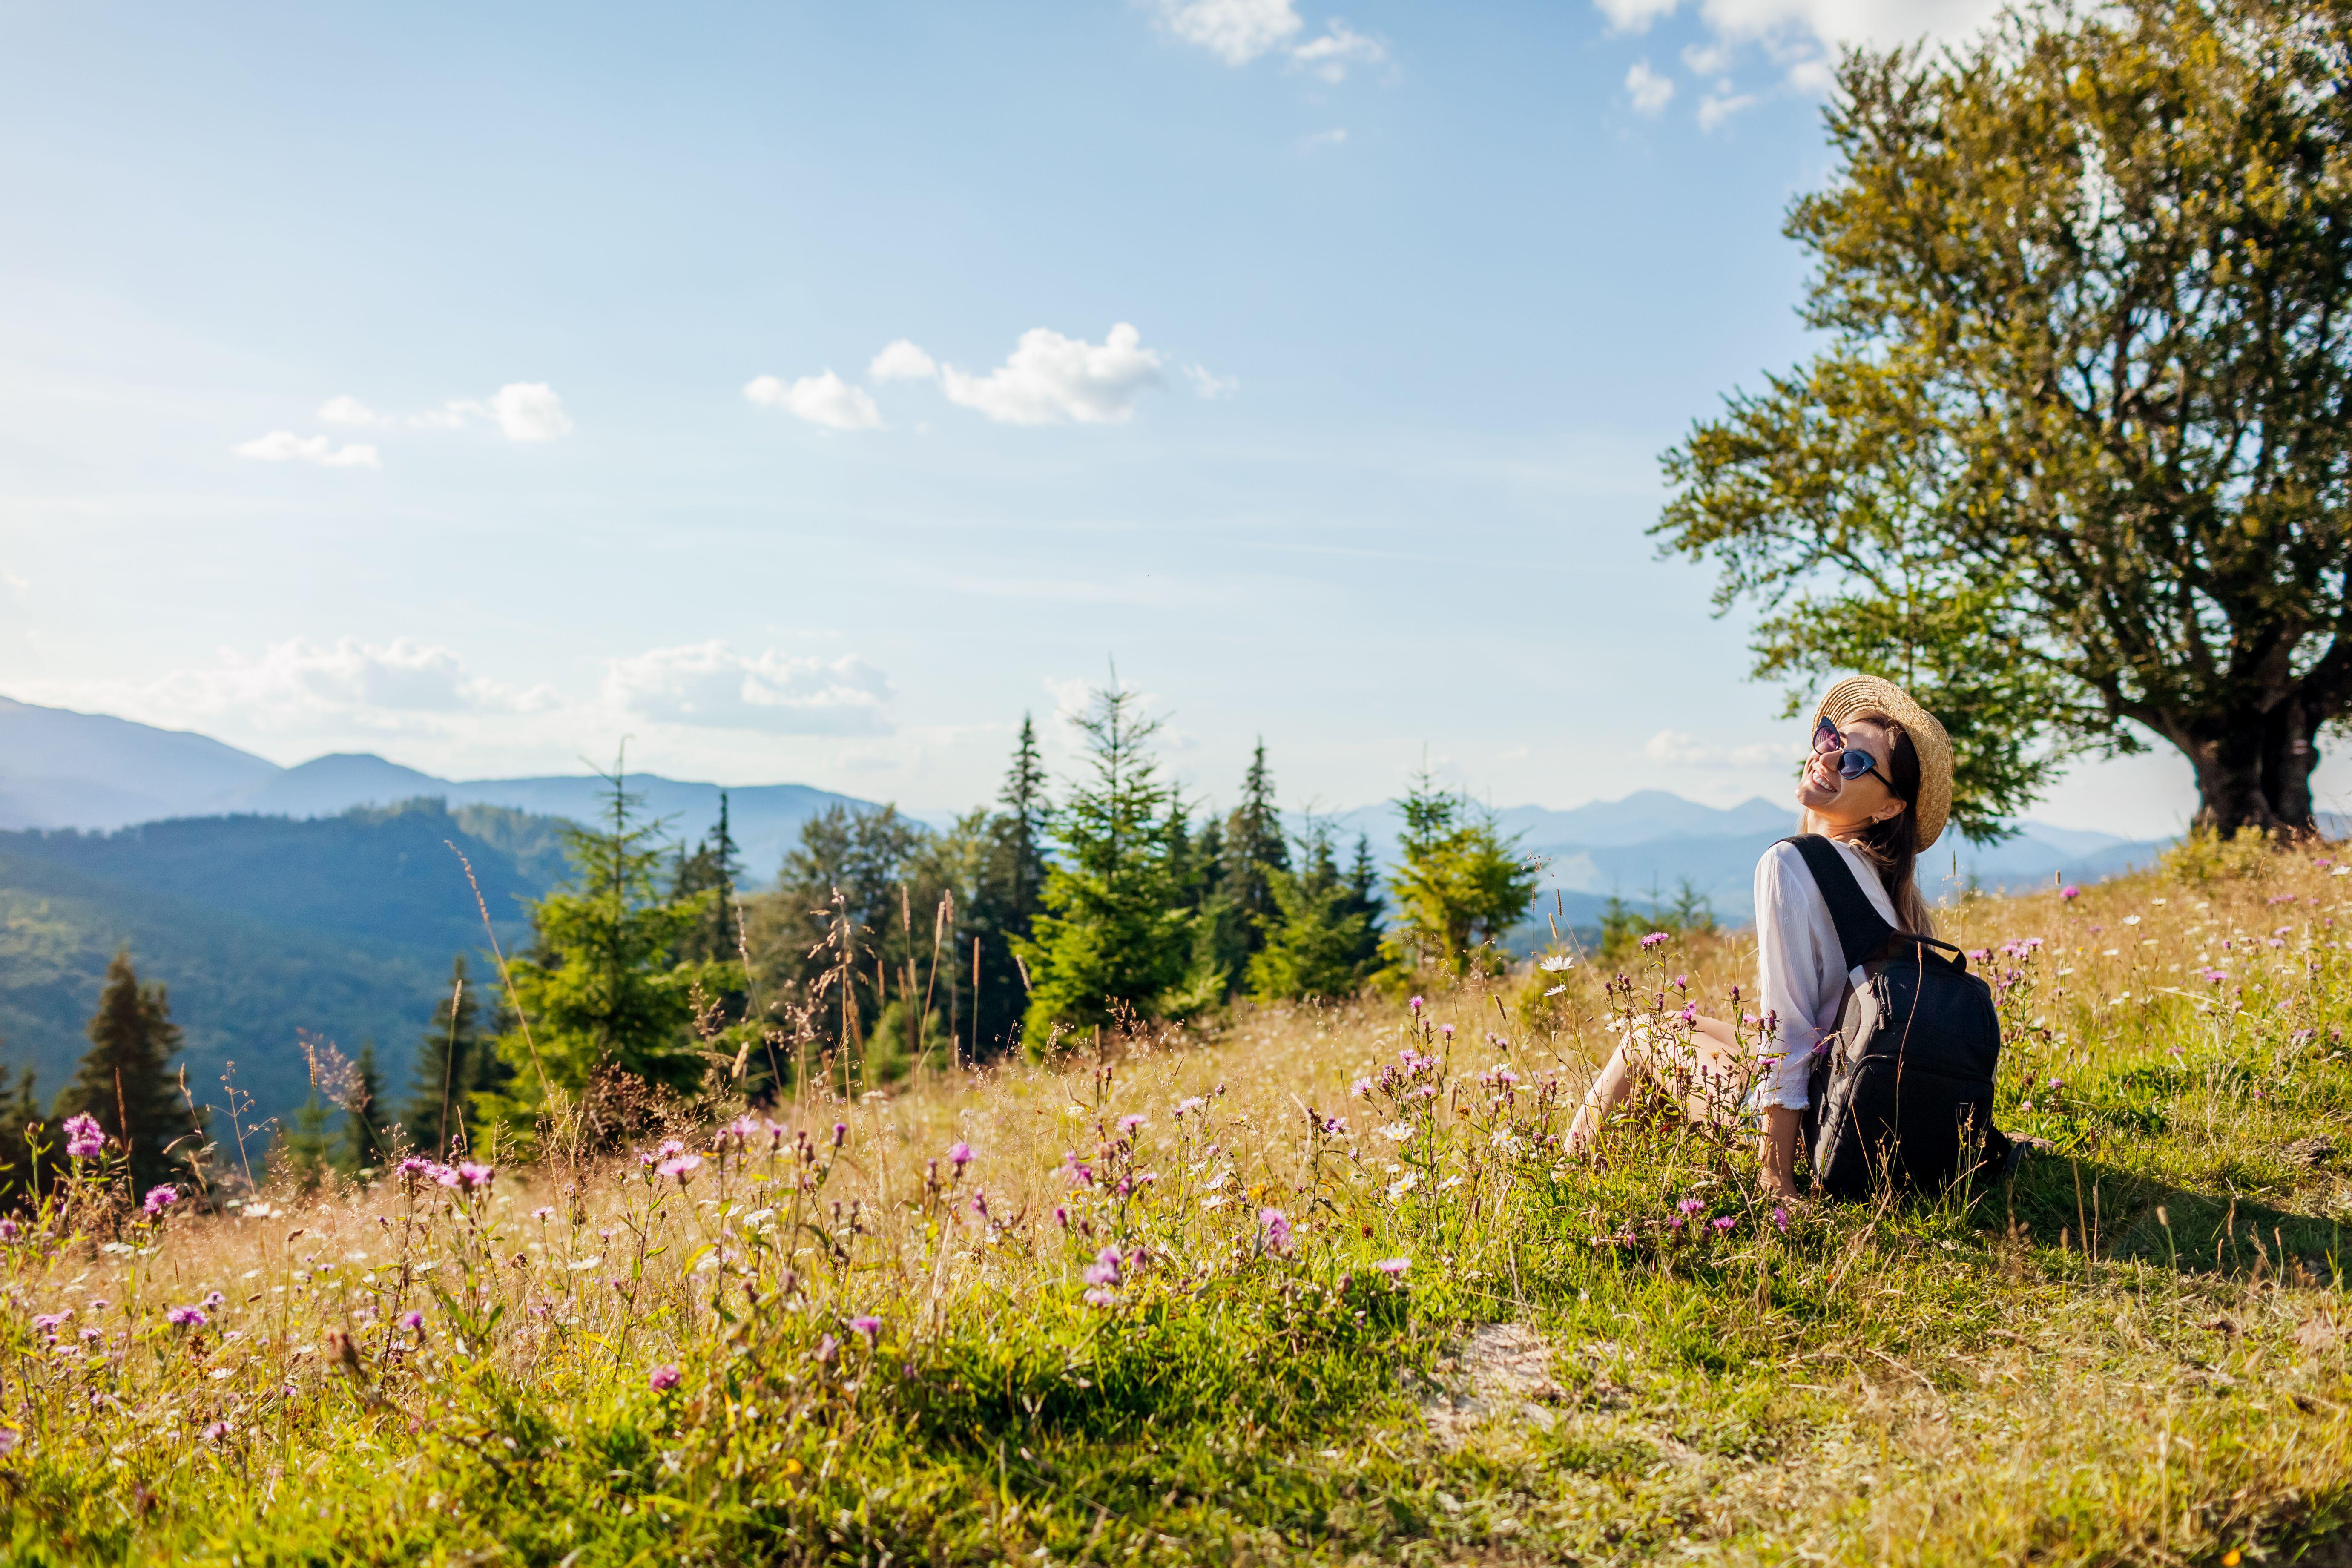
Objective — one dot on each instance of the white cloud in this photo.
(285, 447)
(451, 416)
(1050, 378)
(1635, 15)
(711, 686)
(1340, 47)
(348, 410)
(1235, 31)
(1708, 60)
(296, 684)
(1678, 749)
(902, 361)
(529, 411)
(1335, 136)
(825, 400)
(1647, 88)
(1716, 108)
(1210, 384)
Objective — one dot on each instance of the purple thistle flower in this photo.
(2070, 892)
(1273, 1228)
(186, 1317)
(1415, 1004)
(827, 1349)
(84, 1137)
(1690, 1206)
(412, 1319)
(1129, 1123)
(161, 1198)
(663, 1378)
(870, 1327)
(216, 1432)
(475, 1176)
(840, 1133)
(1723, 1223)
(679, 1165)
(7, 1229)
(1362, 1089)
(51, 1320)
(214, 1299)
(1098, 1297)
(958, 1154)
(1393, 1266)
(1653, 939)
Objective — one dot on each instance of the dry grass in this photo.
(2153, 1371)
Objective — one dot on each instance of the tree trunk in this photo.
(2254, 770)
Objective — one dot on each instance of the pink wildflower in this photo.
(1654, 939)
(84, 1137)
(679, 1165)
(870, 1327)
(1393, 1266)
(662, 1379)
(1273, 1228)
(186, 1317)
(161, 1198)
(412, 1319)
(958, 1154)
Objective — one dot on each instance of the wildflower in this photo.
(1781, 1218)
(1076, 1174)
(1445, 1029)
(1061, 1216)
(161, 1198)
(1393, 1266)
(2070, 892)
(663, 1378)
(1184, 1107)
(958, 1154)
(543, 1214)
(1273, 1228)
(980, 1202)
(84, 1137)
(2131, 920)
(679, 1165)
(7, 1229)
(1415, 1004)
(840, 1133)
(51, 1320)
(1723, 1223)
(1099, 1297)
(216, 1432)
(2213, 976)
(445, 1176)
(827, 1349)
(1335, 1127)
(870, 1327)
(1556, 963)
(1396, 1131)
(412, 1319)
(214, 1299)
(1690, 1206)
(186, 1317)
(1653, 939)
(474, 1176)
(1689, 1015)
(1129, 1123)
(1104, 1270)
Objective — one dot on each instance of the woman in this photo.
(1878, 784)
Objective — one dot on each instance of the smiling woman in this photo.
(1877, 786)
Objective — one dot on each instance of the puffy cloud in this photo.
(1635, 15)
(348, 410)
(1335, 137)
(1050, 378)
(285, 447)
(1208, 385)
(825, 400)
(1647, 88)
(1678, 749)
(1235, 31)
(529, 411)
(1716, 108)
(711, 686)
(902, 361)
(297, 683)
(1340, 47)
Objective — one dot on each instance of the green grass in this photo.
(2135, 1351)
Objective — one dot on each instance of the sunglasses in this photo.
(1852, 761)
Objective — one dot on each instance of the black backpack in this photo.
(1902, 1093)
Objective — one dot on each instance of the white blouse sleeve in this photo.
(1797, 974)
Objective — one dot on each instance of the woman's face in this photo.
(1845, 804)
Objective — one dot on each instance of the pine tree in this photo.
(998, 861)
(1249, 851)
(713, 866)
(125, 1080)
(1460, 886)
(1316, 943)
(603, 987)
(368, 1143)
(448, 1060)
(1113, 933)
(1364, 899)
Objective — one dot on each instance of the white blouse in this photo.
(1801, 972)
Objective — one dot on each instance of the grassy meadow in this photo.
(1311, 1285)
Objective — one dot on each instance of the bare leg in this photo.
(1705, 1072)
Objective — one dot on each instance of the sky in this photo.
(804, 393)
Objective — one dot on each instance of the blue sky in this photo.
(479, 384)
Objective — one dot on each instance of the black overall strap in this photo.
(1862, 929)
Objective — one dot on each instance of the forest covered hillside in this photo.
(259, 927)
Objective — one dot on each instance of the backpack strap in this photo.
(1862, 929)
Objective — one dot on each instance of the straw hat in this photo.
(1860, 694)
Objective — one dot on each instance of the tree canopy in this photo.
(2074, 465)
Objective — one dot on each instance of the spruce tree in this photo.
(367, 1135)
(996, 908)
(448, 1057)
(1113, 934)
(713, 866)
(1318, 944)
(1459, 886)
(125, 1082)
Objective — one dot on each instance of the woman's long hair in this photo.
(1892, 845)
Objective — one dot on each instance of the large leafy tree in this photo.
(1114, 933)
(2075, 461)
